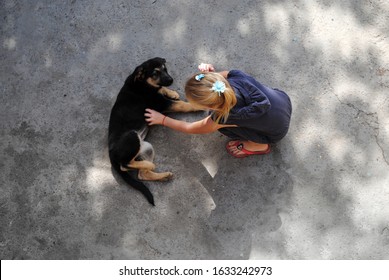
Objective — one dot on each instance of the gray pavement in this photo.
(322, 194)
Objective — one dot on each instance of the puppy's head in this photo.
(153, 72)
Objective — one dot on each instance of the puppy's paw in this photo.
(166, 176)
(148, 175)
(173, 95)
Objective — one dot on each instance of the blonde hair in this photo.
(200, 93)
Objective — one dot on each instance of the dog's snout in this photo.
(169, 80)
(166, 80)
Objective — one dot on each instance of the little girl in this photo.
(250, 113)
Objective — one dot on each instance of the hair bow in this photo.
(219, 87)
(199, 77)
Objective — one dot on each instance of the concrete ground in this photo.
(322, 194)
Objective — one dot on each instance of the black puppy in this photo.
(144, 88)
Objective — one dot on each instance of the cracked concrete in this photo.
(321, 194)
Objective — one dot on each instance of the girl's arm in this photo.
(203, 126)
(224, 74)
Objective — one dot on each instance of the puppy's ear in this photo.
(159, 60)
(138, 74)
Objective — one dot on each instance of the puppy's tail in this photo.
(136, 184)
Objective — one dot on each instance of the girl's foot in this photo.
(241, 149)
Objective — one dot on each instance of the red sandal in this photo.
(246, 153)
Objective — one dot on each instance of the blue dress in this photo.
(261, 113)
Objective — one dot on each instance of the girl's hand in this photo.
(204, 67)
(153, 117)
